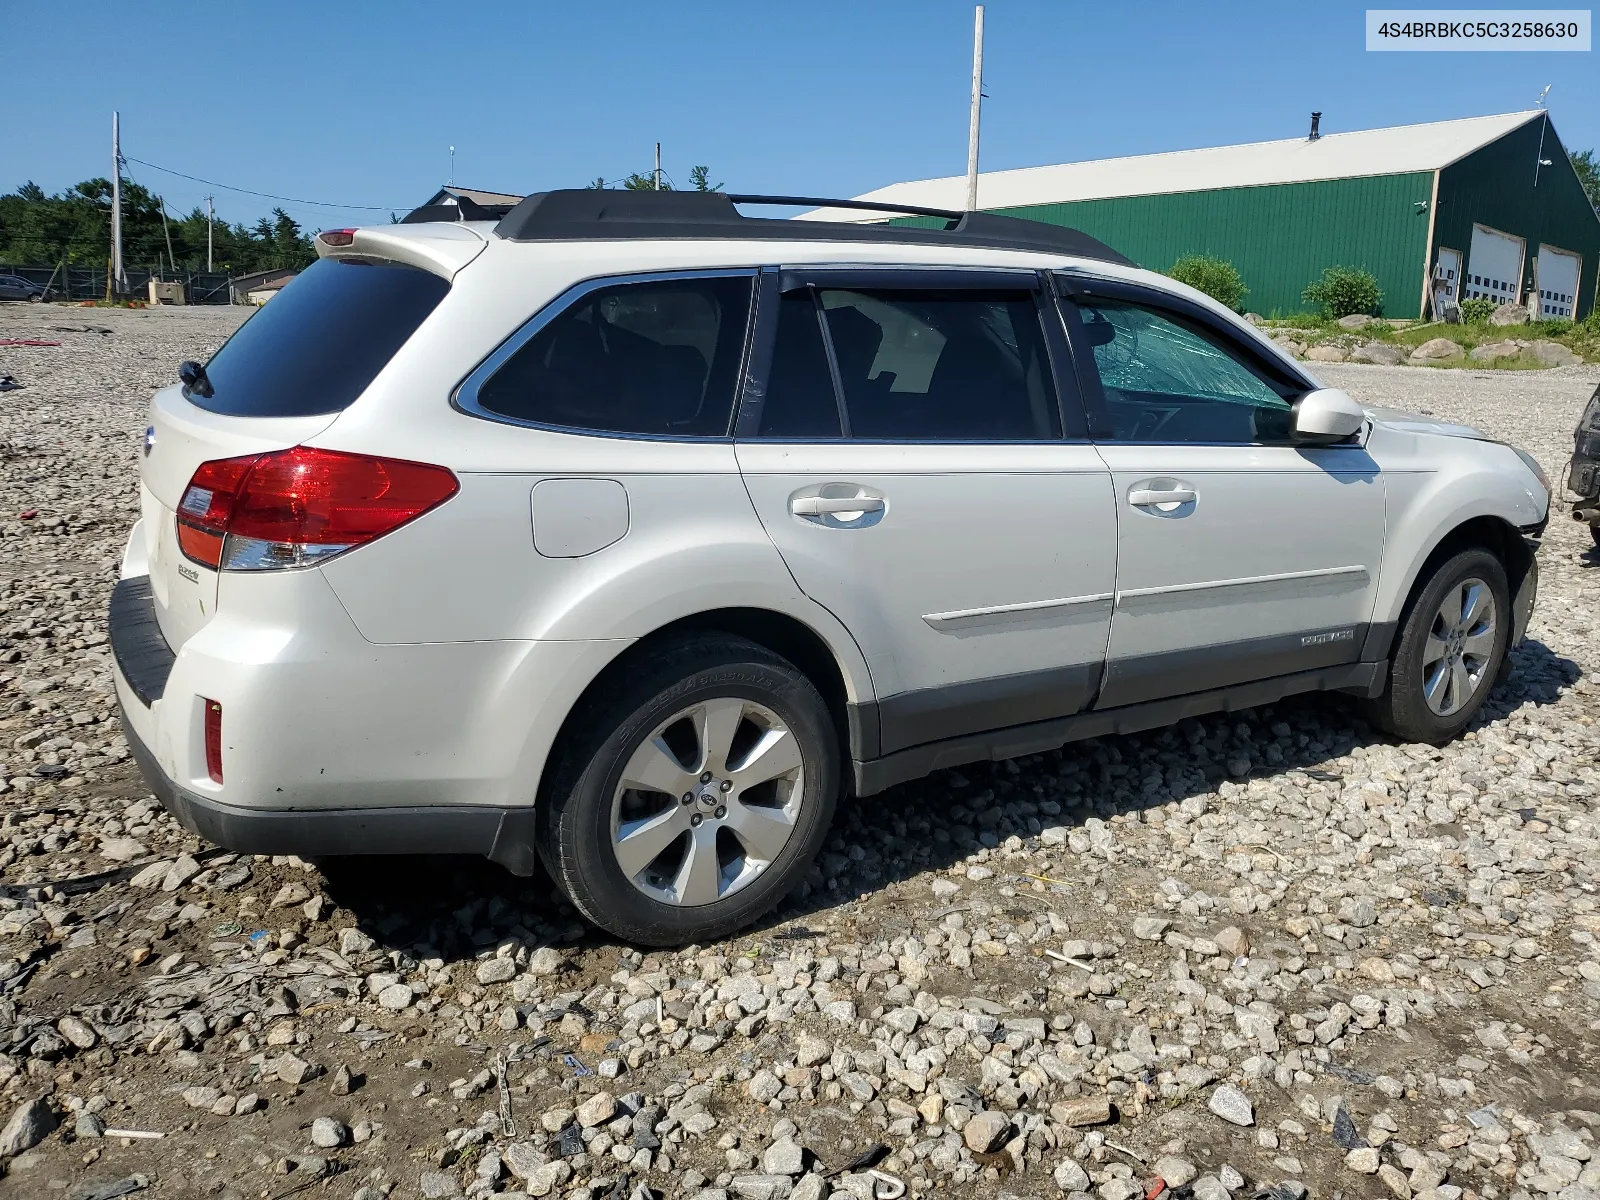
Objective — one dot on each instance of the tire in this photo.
(1428, 698)
(753, 812)
(1594, 532)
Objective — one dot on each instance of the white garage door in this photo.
(1494, 266)
(1558, 282)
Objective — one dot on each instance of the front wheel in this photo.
(1449, 650)
(695, 794)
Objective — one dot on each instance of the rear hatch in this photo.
(283, 377)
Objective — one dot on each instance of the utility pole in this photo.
(167, 233)
(977, 107)
(118, 279)
(658, 166)
(209, 217)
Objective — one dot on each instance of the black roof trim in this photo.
(590, 214)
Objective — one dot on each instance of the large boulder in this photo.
(1553, 354)
(1355, 321)
(1327, 353)
(1379, 353)
(1490, 351)
(1510, 314)
(1437, 350)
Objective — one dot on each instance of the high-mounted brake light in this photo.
(292, 508)
(337, 237)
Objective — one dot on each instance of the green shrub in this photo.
(1215, 277)
(1343, 291)
(1475, 312)
(1551, 326)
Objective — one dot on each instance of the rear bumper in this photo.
(334, 745)
(505, 835)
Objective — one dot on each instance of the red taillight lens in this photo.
(213, 740)
(299, 506)
(207, 502)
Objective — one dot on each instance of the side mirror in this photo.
(1327, 415)
(1099, 331)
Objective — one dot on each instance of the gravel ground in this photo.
(1269, 951)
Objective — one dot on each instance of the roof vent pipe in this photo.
(1315, 118)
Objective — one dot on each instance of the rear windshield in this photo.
(316, 345)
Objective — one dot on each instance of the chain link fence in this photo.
(89, 283)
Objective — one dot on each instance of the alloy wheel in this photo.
(1456, 657)
(707, 801)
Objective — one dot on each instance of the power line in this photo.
(265, 195)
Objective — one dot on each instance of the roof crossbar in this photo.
(909, 210)
(589, 214)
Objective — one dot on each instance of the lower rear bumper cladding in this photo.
(504, 835)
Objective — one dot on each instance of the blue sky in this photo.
(358, 103)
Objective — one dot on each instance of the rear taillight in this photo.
(213, 740)
(207, 501)
(296, 507)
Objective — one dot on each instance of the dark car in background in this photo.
(14, 287)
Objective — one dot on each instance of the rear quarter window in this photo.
(316, 346)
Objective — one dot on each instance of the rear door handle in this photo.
(1149, 497)
(818, 506)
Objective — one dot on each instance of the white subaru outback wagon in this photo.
(627, 532)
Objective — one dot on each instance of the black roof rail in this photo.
(590, 214)
(463, 209)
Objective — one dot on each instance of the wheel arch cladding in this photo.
(782, 634)
(1491, 533)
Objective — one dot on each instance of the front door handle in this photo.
(1154, 497)
(818, 506)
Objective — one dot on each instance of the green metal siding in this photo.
(1494, 187)
(1280, 237)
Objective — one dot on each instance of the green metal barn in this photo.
(1489, 203)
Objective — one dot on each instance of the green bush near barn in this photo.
(1345, 291)
(1216, 277)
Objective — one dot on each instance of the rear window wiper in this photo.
(194, 378)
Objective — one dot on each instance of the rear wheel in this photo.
(696, 794)
(1449, 651)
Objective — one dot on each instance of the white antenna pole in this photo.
(977, 107)
(452, 166)
(658, 166)
(210, 216)
(117, 277)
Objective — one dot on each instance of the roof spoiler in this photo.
(590, 214)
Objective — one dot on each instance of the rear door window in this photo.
(912, 365)
(657, 358)
(317, 345)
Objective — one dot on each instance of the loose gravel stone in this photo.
(29, 1125)
(328, 1133)
(1232, 1105)
(985, 1131)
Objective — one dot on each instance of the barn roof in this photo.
(1396, 150)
